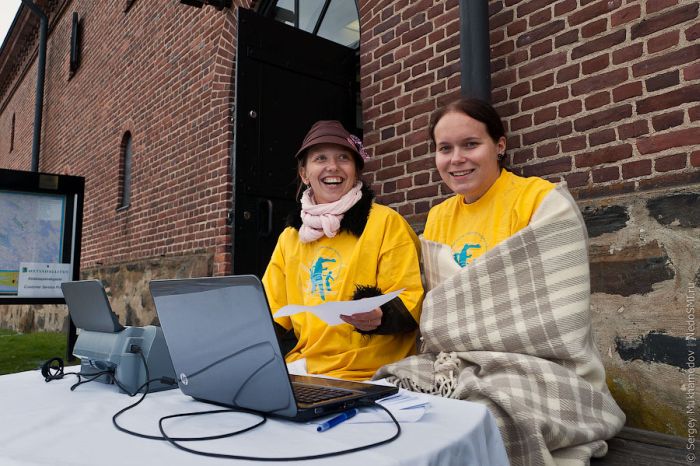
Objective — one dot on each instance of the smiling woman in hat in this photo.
(339, 246)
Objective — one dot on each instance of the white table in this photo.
(47, 424)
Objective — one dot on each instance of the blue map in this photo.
(31, 230)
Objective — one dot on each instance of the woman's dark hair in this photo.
(476, 109)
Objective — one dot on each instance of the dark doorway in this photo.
(286, 80)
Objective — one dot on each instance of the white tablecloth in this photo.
(47, 424)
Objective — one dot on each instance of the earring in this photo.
(501, 156)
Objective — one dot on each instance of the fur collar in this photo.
(354, 220)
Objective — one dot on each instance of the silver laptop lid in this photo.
(222, 342)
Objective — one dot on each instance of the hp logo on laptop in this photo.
(183, 379)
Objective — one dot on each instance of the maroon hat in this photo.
(333, 132)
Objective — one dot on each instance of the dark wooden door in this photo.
(286, 80)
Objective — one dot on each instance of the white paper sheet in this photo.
(330, 312)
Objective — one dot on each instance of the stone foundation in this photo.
(645, 254)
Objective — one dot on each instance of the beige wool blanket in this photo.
(512, 330)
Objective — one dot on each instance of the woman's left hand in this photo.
(365, 321)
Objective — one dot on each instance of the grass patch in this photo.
(27, 351)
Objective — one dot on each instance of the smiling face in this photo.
(330, 170)
(466, 156)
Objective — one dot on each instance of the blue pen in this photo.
(337, 420)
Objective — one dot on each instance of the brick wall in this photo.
(172, 92)
(602, 94)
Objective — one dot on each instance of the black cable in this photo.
(263, 419)
(174, 441)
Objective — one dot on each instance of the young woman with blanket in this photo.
(339, 246)
(506, 263)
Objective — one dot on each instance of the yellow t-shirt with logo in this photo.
(473, 229)
(328, 269)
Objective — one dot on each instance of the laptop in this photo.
(221, 338)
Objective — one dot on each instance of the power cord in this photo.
(173, 441)
(53, 369)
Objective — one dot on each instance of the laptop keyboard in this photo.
(317, 393)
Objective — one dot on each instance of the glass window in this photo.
(335, 20)
(340, 24)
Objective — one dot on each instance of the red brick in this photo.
(662, 81)
(602, 43)
(542, 64)
(540, 17)
(665, 20)
(663, 42)
(636, 169)
(632, 130)
(560, 165)
(596, 64)
(601, 137)
(542, 32)
(669, 100)
(531, 6)
(600, 81)
(544, 98)
(575, 180)
(520, 90)
(605, 155)
(522, 156)
(629, 53)
(573, 144)
(569, 37)
(606, 190)
(542, 82)
(503, 48)
(594, 28)
(593, 11)
(625, 16)
(602, 118)
(668, 120)
(545, 114)
(661, 142)
(627, 91)
(564, 7)
(694, 113)
(541, 48)
(421, 193)
(568, 73)
(692, 72)
(693, 32)
(658, 5)
(675, 179)
(695, 158)
(500, 19)
(667, 61)
(670, 163)
(548, 150)
(519, 123)
(519, 56)
(516, 27)
(601, 175)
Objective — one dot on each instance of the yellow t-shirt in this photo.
(328, 269)
(473, 229)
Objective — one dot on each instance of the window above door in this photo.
(335, 20)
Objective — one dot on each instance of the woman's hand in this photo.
(365, 321)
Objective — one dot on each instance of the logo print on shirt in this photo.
(323, 272)
(468, 247)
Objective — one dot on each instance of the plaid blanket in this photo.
(512, 330)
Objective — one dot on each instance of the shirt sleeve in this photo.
(398, 265)
(274, 282)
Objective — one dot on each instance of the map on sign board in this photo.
(31, 230)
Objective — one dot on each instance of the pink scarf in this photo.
(324, 219)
